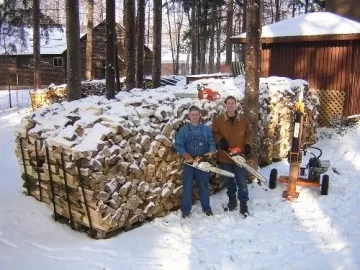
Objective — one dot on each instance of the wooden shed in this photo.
(322, 48)
(17, 68)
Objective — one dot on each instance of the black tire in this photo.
(273, 178)
(325, 185)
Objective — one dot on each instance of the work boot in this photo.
(185, 215)
(232, 204)
(243, 208)
(209, 213)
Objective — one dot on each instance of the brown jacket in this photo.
(237, 134)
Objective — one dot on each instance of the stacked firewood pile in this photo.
(122, 156)
(111, 164)
(93, 88)
(277, 120)
(56, 94)
(46, 97)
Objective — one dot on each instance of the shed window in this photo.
(57, 62)
(23, 62)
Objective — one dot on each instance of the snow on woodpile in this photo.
(277, 101)
(124, 148)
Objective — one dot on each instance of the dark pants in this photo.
(202, 179)
(239, 183)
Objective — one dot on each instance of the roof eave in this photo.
(266, 40)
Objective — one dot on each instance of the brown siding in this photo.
(346, 8)
(353, 97)
(10, 71)
(330, 65)
(99, 52)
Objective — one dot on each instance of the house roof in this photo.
(54, 44)
(311, 26)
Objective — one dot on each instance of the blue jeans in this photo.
(238, 183)
(202, 179)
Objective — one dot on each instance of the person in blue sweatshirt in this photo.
(195, 140)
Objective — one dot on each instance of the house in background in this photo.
(167, 67)
(16, 69)
(347, 8)
(16, 64)
(322, 48)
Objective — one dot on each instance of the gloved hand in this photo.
(210, 155)
(188, 158)
(224, 144)
(247, 151)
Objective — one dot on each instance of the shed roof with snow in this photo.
(322, 48)
(308, 27)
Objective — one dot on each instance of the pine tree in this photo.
(73, 50)
(252, 66)
(140, 44)
(129, 6)
(89, 38)
(157, 26)
(36, 44)
(229, 31)
(110, 49)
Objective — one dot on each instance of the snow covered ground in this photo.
(315, 232)
(19, 99)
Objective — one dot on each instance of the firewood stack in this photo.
(56, 94)
(277, 119)
(46, 97)
(128, 167)
(112, 163)
(95, 88)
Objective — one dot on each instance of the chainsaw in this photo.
(201, 165)
(235, 155)
(207, 93)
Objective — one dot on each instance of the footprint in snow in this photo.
(8, 243)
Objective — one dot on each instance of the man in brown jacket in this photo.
(232, 129)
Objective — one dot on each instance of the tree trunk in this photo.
(148, 23)
(306, 6)
(73, 50)
(272, 11)
(130, 44)
(110, 49)
(277, 10)
(204, 37)
(193, 37)
(293, 10)
(212, 37)
(229, 31)
(102, 8)
(253, 53)
(140, 44)
(172, 47)
(243, 30)
(117, 67)
(198, 38)
(178, 26)
(218, 40)
(36, 46)
(89, 38)
(157, 25)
